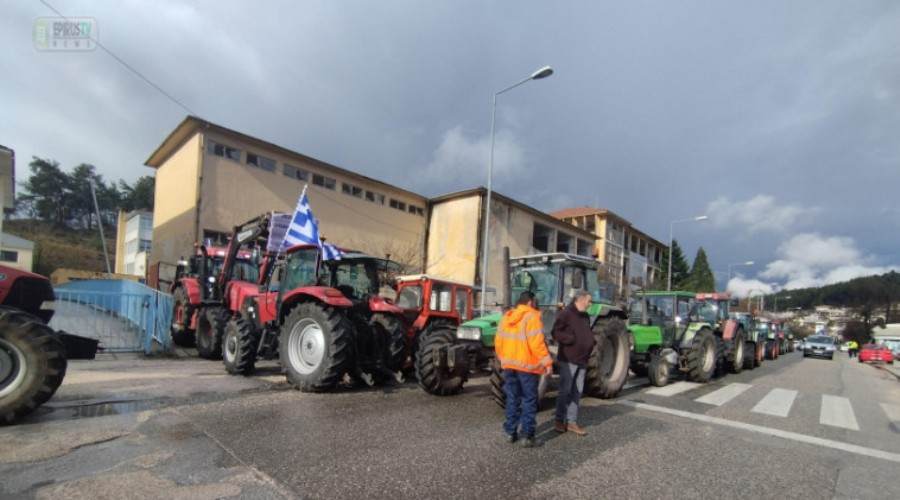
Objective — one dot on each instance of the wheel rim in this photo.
(709, 356)
(12, 359)
(231, 347)
(306, 346)
(662, 372)
(739, 353)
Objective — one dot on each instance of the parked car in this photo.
(845, 347)
(819, 345)
(876, 352)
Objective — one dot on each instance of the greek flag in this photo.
(304, 229)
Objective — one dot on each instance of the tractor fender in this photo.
(670, 355)
(331, 296)
(378, 303)
(729, 328)
(239, 292)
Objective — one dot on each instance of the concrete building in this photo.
(7, 180)
(134, 240)
(210, 178)
(630, 257)
(16, 252)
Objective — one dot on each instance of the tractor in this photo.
(672, 329)
(731, 336)
(446, 354)
(768, 331)
(186, 294)
(321, 318)
(754, 341)
(431, 302)
(33, 357)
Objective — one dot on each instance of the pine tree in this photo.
(680, 269)
(701, 278)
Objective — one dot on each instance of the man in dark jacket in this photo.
(572, 330)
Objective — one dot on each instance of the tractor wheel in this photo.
(658, 372)
(239, 344)
(180, 330)
(393, 340)
(701, 357)
(498, 381)
(210, 327)
(749, 355)
(640, 368)
(432, 378)
(32, 363)
(607, 367)
(721, 348)
(734, 358)
(760, 354)
(314, 347)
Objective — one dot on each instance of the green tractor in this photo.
(754, 341)
(672, 330)
(447, 355)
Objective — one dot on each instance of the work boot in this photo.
(512, 438)
(529, 441)
(559, 426)
(574, 429)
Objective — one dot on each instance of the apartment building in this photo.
(134, 240)
(631, 258)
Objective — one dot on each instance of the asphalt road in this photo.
(135, 427)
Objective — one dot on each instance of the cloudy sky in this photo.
(780, 120)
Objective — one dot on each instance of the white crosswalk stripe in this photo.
(777, 402)
(724, 395)
(672, 389)
(892, 411)
(837, 412)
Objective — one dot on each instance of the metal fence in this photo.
(123, 315)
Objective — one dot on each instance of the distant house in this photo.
(134, 239)
(16, 252)
(889, 335)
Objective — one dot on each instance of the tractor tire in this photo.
(314, 347)
(32, 364)
(239, 345)
(393, 335)
(749, 355)
(640, 368)
(607, 367)
(760, 354)
(721, 348)
(210, 328)
(771, 352)
(701, 357)
(180, 328)
(734, 357)
(498, 381)
(432, 378)
(658, 372)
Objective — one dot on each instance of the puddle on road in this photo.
(99, 409)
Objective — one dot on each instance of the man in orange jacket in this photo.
(523, 356)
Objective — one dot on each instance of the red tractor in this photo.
(33, 357)
(323, 318)
(729, 332)
(187, 290)
(428, 303)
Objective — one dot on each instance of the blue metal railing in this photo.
(123, 315)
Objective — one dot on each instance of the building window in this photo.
(146, 224)
(643, 248)
(9, 256)
(261, 162)
(145, 245)
(375, 197)
(399, 205)
(295, 173)
(416, 210)
(224, 151)
(351, 190)
(325, 182)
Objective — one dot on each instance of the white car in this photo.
(845, 347)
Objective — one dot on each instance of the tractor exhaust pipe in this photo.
(507, 291)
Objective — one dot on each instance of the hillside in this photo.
(56, 247)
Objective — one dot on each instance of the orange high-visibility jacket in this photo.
(519, 342)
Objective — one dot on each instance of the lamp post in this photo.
(672, 240)
(748, 263)
(537, 75)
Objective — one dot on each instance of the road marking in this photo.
(636, 382)
(724, 395)
(777, 402)
(837, 412)
(893, 412)
(672, 389)
(801, 438)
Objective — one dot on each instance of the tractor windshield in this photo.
(300, 269)
(538, 278)
(362, 276)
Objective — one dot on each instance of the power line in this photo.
(123, 63)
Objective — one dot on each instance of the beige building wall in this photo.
(174, 211)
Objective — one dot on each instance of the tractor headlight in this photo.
(468, 333)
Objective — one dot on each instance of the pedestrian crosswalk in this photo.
(834, 411)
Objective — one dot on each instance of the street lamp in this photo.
(748, 263)
(672, 239)
(537, 75)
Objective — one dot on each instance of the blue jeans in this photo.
(521, 390)
(571, 384)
